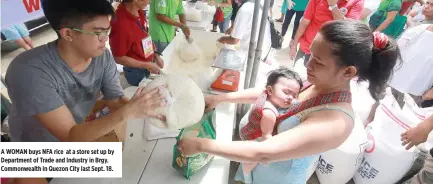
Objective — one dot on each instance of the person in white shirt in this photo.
(240, 32)
(414, 76)
(421, 15)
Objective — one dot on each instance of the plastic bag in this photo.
(189, 52)
(188, 166)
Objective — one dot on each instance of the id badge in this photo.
(147, 46)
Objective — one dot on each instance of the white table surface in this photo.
(149, 162)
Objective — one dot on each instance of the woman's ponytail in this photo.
(385, 56)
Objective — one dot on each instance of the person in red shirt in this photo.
(131, 44)
(407, 5)
(317, 13)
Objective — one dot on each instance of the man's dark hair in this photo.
(75, 13)
(285, 72)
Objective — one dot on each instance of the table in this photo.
(148, 162)
(204, 24)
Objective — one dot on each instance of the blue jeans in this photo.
(135, 75)
(160, 46)
(224, 25)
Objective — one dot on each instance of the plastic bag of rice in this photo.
(188, 166)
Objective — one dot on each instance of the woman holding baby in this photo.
(323, 118)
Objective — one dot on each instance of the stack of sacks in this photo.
(205, 7)
(339, 165)
(193, 15)
(386, 160)
(185, 105)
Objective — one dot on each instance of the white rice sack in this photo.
(185, 101)
(340, 165)
(418, 114)
(386, 160)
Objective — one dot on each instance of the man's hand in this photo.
(416, 135)
(293, 50)
(158, 60)
(144, 104)
(153, 68)
(332, 2)
(291, 43)
(186, 31)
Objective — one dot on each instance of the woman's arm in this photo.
(390, 16)
(247, 96)
(321, 132)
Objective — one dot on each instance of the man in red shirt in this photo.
(317, 13)
(131, 44)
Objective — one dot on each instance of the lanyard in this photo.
(141, 27)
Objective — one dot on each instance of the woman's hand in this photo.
(189, 146)
(143, 105)
(416, 135)
(210, 102)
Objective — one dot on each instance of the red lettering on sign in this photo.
(32, 5)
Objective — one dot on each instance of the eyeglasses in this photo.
(101, 35)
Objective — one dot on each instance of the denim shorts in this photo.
(135, 75)
(15, 32)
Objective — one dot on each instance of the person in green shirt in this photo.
(227, 9)
(293, 7)
(388, 9)
(162, 23)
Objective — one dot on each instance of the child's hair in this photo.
(274, 75)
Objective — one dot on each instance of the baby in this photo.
(283, 85)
